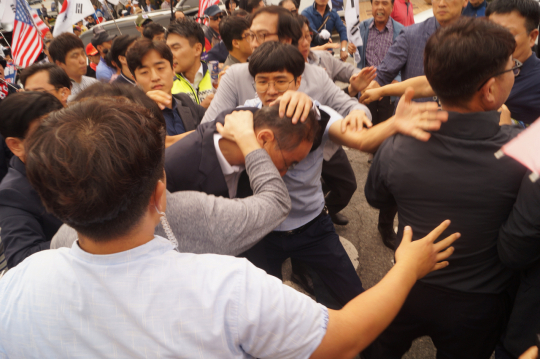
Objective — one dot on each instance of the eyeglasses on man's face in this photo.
(516, 69)
(216, 17)
(260, 36)
(262, 86)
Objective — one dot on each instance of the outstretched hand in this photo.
(358, 82)
(424, 255)
(370, 95)
(161, 98)
(297, 104)
(415, 119)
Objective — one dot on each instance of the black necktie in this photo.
(243, 189)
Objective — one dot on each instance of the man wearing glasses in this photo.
(211, 32)
(205, 162)
(455, 175)
(47, 78)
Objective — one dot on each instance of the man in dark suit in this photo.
(519, 248)
(148, 6)
(151, 63)
(26, 227)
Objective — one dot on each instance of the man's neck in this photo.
(77, 79)
(237, 54)
(471, 107)
(127, 73)
(525, 56)
(380, 26)
(231, 152)
(190, 74)
(320, 8)
(142, 234)
(449, 22)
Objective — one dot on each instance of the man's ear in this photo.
(60, 64)
(298, 82)
(158, 199)
(123, 60)
(235, 43)
(488, 91)
(65, 93)
(265, 136)
(198, 49)
(16, 145)
(532, 37)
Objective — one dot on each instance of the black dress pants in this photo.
(461, 325)
(381, 110)
(318, 246)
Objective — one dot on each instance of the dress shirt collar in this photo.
(226, 167)
(155, 247)
(471, 126)
(127, 79)
(388, 26)
(198, 77)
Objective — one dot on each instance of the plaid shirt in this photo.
(407, 54)
(378, 43)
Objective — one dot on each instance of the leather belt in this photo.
(301, 229)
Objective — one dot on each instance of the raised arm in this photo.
(420, 84)
(411, 119)
(351, 329)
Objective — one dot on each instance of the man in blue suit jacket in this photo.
(26, 227)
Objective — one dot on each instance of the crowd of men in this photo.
(146, 209)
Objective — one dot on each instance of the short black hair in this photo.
(232, 28)
(143, 46)
(57, 77)
(288, 26)
(132, 93)
(95, 165)
(153, 29)
(288, 135)
(529, 9)
(119, 47)
(188, 29)
(62, 44)
(274, 56)
(252, 5)
(459, 57)
(20, 109)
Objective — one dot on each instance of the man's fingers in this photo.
(307, 108)
(298, 110)
(409, 94)
(219, 128)
(284, 101)
(444, 254)
(291, 108)
(434, 234)
(420, 134)
(407, 235)
(440, 265)
(447, 242)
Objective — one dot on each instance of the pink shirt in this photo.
(403, 12)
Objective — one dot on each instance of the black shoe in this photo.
(388, 236)
(339, 219)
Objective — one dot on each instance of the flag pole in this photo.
(7, 43)
(7, 83)
(107, 9)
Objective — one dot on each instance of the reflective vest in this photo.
(182, 85)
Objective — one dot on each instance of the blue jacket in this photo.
(364, 32)
(334, 22)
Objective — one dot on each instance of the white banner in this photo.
(7, 11)
(352, 18)
(72, 12)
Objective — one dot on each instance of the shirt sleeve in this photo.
(376, 190)
(394, 61)
(340, 27)
(519, 237)
(226, 97)
(276, 321)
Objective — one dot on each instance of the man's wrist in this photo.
(247, 142)
(352, 91)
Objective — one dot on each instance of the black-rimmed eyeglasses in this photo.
(516, 69)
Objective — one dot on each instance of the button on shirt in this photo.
(524, 99)
(231, 173)
(173, 121)
(378, 43)
(304, 180)
(152, 302)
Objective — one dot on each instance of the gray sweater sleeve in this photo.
(207, 224)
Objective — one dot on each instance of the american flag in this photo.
(27, 43)
(203, 5)
(42, 28)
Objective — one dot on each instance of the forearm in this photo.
(351, 329)
(420, 85)
(235, 225)
(171, 140)
(366, 140)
